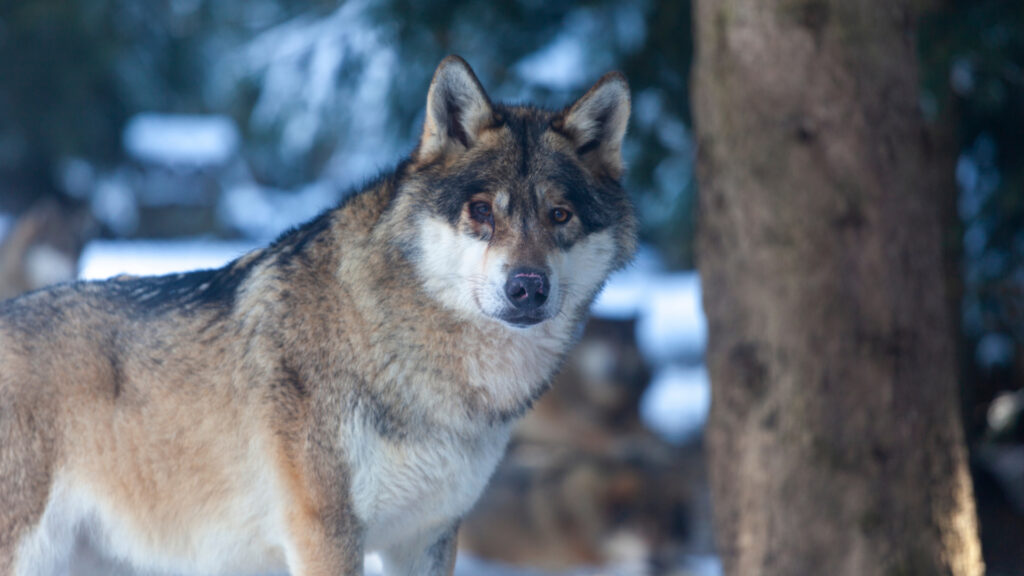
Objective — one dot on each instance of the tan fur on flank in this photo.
(348, 389)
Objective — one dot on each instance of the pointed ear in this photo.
(596, 123)
(458, 110)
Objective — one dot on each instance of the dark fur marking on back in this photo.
(214, 289)
(34, 313)
(117, 376)
(291, 381)
(296, 241)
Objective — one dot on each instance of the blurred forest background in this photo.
(138, 119)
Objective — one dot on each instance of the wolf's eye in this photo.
(481, 212)
(561, 215)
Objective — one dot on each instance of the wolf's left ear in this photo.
(458, 110)
(596, 123)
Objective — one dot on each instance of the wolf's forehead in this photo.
(529, 152)
(525, 119)
(523, 142)
(534, 166)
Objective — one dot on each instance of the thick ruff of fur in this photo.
(348, 389)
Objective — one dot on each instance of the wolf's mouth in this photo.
(524, 319)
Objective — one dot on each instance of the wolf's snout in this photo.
(527, 288)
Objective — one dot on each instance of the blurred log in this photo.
(596, 396)
(835, 440)
(558, 508)
(42, 248)
(584, 482)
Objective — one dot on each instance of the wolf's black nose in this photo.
(527, 288)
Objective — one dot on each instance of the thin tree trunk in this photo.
(835, 439)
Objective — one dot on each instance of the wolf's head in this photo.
(518, 213)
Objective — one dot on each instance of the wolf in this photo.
(349, 388)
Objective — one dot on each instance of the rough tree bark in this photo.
(835, 441)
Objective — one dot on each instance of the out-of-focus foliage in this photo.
(331, 91)
(973, 71)
(74, 71)
(59, 92)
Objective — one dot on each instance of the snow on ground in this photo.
(181, 140)
(106, 258)
(6, 222)
(671, 322)
(671, 333)
(260, 212)
(676, 403)
(467, 565)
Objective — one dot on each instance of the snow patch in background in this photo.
(671, 332)
(676, 403)
(77, 177)
(373, 565)
(559, 65)
(45, 265)
(105, 258)
(995, 350)
(703, 565)
(296, 67)
(181, 140)
(571, 61)
(6, 223)
(265, 213)
(671, 324)
(467, 565)
(114, 204)
(623, 295)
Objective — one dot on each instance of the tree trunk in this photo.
(835, 439)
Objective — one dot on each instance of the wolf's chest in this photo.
(405, 486)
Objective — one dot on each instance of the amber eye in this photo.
(561, 215)
(481, 212)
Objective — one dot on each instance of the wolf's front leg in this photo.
(325, 558)
(432, 554)
(321, 545)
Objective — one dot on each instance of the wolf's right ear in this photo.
(458, 110)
